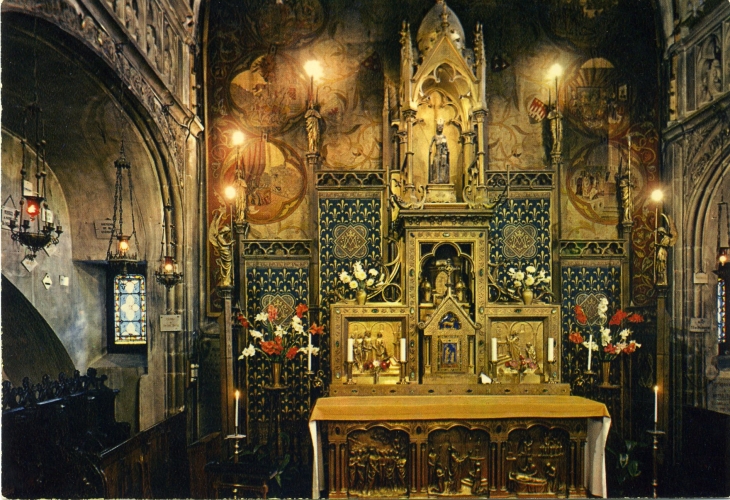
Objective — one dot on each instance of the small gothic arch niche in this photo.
(446, 267)
(458, 461)
(536, 461)
(377, 463)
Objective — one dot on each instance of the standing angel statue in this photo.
(666, 237)
(219, 235)
(438, 163)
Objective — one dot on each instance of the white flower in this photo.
(624, 333)
(358, 266)
(529, 281)
(621, 346)
(590, 345)
(279, 332)
(262, 317)
(547, 279)
(360, 275)
(635, 343)
(248, 352)
(530, 269)
(511, 270)
(603, 306)
(605, 336)
(296, 324)
(376, 363)
(256, 334)
(370, 282)
(519, 276)
(373, 272)
(344, 277)
(353, 284)
(305, 349)
(541, 274)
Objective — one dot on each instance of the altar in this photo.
(471, 446)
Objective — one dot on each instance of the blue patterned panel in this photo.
(519, 237)
(585, 286)
(349, 231)
(284, 286)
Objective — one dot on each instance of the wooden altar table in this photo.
(524, 438)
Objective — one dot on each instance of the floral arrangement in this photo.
(610, 342)
(529, 279)
(376, 365)
(522, 365)
(361, 279)
(276, 343)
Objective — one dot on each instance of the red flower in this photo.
(271, 348)
(242, 319)
(292, 352)
(580, 316)
(301, 309)
(273, 313)
(316, 330)
(636, 318)
(575, 337)
(610, 349)
(630, 348)
(367, 365)
(617, 318)
(384, 365)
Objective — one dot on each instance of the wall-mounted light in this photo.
(120, 240)
(33, 227)
(167, 273)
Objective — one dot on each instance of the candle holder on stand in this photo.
(590, 374)
(349, 380)
(404, 373)
(551, 373)
(237, 437)
(655, 433)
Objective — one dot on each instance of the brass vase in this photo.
(527, 296)
(605, 373)
(276, 375)
(361, 296)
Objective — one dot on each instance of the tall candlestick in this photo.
(403, 351)
(309, 354)
(238, 394)
(350, 350)
(656, 405)
(551, 350)
(590, 350)
(494, 349)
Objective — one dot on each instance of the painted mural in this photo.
(607, 91)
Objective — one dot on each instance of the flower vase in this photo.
(605, 373)
(361, 296)
(527, 296)
(276, 375)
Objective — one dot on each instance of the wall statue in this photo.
(666, 237)
(438, 159)
(312, 118)
(219, 235)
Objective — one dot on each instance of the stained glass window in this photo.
(130, 310)
(721, 325)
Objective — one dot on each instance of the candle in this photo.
(238, 394)
(403, 352)
(551, 350)
(494, 349)
(590, 350)
(656, 405)
(350, 350)
(309, 354)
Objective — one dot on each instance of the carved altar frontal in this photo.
(424, 447)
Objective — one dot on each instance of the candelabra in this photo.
(655, 433)
(236, 438)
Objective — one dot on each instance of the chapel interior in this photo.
(365, 248)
